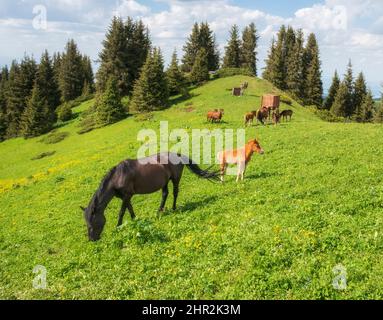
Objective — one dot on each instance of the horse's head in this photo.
(255, 146)
(95, 221)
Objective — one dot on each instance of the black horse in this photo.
(140, 176)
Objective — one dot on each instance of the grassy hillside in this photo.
(313, 201)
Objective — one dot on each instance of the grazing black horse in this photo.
(141, 176)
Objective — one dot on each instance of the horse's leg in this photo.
(130, 208)
(241, 169)
(165, 192)
(223, 170)
(175, 193)
(124, 206)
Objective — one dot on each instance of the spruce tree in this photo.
(20, 85)
(200, 71)
(88, 76)
(359, 95)
(232, 58)
(137, 50)
(175, 78)
(295, 70)
(332, 92)
(114, 56)
(339, 106)
(34, 119)
(378, 116)
(56, 66)
(314, 85)
(288, 50)
(268, 69)
(191, 49)
(46, 81)
(277, 69)
(3, 102)
(201, 37)
(207, 41)
(71, 77)
(109, 108)
(151, 89)
(367, 108)
(349, 81)
(249, 47)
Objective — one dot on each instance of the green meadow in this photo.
(311, 204)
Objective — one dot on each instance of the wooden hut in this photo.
(270, 101)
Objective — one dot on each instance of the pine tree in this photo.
(56, 66)
(201, 37)
(295, 70)
(207, 41)
(46, 81)
(71, 77)
(175, 78)
(109, 108)
(232, 58)
(151, 89)
(34, 118)
(288, 50)
(339, 106)
(200, 71)
(20, 85)
(314, 85)
(114, 56)
(359, 95)
(191, 49)
(268, 69)
(137, 50)
(88, 76)
(249, 47)
(3, 102)
(332, 92)
(277, 74)
(367, 108)
(349, 81)
(378, 117)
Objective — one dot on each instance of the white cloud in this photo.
(131, 8)
(340, 26)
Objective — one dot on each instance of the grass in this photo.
(313, 201)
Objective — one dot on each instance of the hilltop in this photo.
(312, 202)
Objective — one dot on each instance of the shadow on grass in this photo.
(262, 175)
(193, 205)
(179, 99)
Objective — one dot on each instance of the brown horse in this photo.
(138, 176)
(286, 114)
(241, 157)
(215, 116)
(249, 117)
(262, 114)
(276, 117)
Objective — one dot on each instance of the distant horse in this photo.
(262, 114)
(271, 110)
(141, 176)
(241, 157)
(249, 117)
(215, 116)
(244, 86)
(276, 117)
(286, 113)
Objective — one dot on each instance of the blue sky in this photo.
(346, 29)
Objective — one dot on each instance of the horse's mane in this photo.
(101, 189)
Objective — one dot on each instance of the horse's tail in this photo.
(206, 174)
